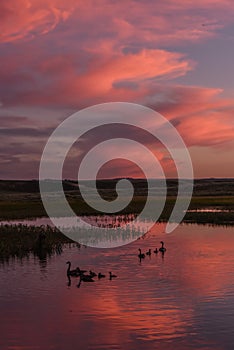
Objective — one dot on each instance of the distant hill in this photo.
(202, 187)
(28, 186)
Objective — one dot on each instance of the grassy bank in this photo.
(10, 210)
(21, 199)
(19, 241)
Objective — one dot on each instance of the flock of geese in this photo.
(162, 249)
(84, 277)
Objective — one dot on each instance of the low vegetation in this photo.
(18, 241)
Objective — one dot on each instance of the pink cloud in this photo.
(67, 79)
(201, 115)
(135, 68)
(210, 129)
(69, 55)
(108, 24)
(27, 19)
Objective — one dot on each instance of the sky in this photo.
(58, 57)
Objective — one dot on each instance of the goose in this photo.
(71, 272)
(156, 251)
(80, 272)
(162, 249)
(92, 274)
(149, 252)
(100, 275)
(141, 255)
(86, 278)
(112, 276)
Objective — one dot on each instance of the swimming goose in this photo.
(92, 274)
(71, 272)
(156, 251)
(141, 255)
(86, 278)
(80, 272)
(149, 252)
(100, 275)
(112, 276)
(162, 249)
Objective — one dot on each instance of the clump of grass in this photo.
(19, 241)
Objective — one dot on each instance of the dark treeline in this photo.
(202, 187)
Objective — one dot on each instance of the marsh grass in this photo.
(20, 240)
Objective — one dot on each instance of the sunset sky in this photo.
(173, 56)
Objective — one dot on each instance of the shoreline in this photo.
(27, 209)
(21, 199)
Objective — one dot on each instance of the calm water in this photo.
(182, 300)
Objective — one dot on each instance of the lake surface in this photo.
(183, 299)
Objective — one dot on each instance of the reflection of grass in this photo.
(20, 240)
(98, 236)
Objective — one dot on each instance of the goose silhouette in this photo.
(86, 278)
(80, 272)
(112, 276)
(162, 248)
(149, 252)
(141, 255)
(93, 274)
(73, 273)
